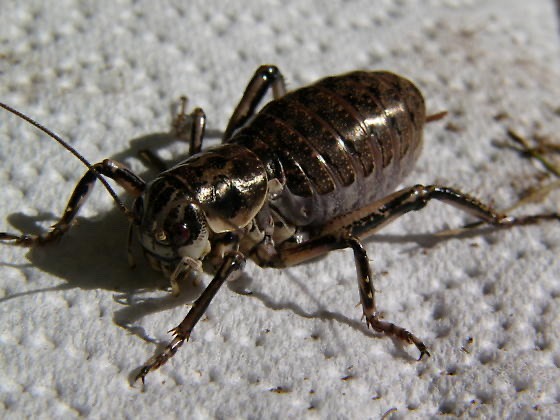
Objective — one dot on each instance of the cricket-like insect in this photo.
(312, 172)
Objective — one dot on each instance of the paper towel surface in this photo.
(76, 322)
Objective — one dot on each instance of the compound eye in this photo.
(180, 234)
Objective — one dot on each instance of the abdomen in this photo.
(339, 144)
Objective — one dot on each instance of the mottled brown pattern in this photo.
(228, 182)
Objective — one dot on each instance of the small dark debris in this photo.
(280, 390)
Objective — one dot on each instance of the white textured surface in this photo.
(102, 74)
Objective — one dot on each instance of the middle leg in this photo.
(367, 299)
(346, 230)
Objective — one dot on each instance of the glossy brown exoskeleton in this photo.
(311, 172)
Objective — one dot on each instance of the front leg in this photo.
(123, 176)
(231, 267)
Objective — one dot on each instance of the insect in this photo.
(313, 171)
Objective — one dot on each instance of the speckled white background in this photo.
(104, 75)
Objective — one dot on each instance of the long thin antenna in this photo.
(82, 159)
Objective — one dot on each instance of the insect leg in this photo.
(231, 267)
(109, 168)
(368, 220)
(152, 160)
(290, 255)
(367, 298)
(188, 127)
(344, 231)
(364, 222)
(196, 121)
(266, 77)
(197, 130)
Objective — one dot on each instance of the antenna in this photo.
(82, 159)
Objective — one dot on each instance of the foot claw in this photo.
(28, 241)
(18, 240)
(142, 374)
(424, 352)
(161, 358)
(393, 330)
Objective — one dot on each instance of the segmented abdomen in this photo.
(338, 144)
